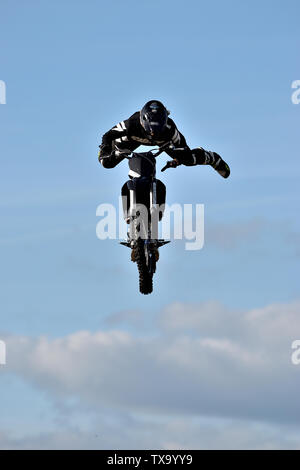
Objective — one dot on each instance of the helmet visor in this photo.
(154, 121)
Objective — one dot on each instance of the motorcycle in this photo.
(143, 197)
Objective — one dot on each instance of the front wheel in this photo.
(145, 271)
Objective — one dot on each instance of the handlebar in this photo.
(170, 164)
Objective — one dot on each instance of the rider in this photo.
(152, 126)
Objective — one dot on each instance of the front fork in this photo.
(145, 227)
(154, 212)
(144, 219)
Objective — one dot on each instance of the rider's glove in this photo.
(123, 153)
(105, 150)
(174, 163)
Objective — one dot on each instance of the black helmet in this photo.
(154, 118)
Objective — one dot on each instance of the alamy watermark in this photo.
(295, 358)
(179, 222)
(2, 353)
(2, 92)
(296, 94)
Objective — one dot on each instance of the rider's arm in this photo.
(185, 156)
(117, 132)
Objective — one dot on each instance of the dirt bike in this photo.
(143, 199)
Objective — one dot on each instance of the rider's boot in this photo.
(220, 165)
(155, 250)
(133, 259)
(205, 157)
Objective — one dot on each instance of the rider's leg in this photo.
(205, 157)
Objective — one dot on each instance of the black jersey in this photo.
(130, 134)
(131, 131)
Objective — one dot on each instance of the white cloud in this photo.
(164, 433)
(204, 360)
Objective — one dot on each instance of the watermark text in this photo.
(2, 92)
(178, 222)
(296, 94)
(2, 353)
(296, 354)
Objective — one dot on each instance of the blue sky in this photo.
(72, 70)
